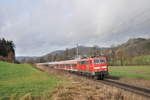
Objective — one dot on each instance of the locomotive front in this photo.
(100, 67)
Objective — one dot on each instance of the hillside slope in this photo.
(136, 47)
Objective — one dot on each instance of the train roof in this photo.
(70, 61)
(60, 62)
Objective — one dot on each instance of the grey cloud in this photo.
(40, 26)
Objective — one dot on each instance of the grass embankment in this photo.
(20, 79)
(142, 72)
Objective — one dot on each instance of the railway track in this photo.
(137, 90)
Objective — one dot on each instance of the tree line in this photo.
(7, 50)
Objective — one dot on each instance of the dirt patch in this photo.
(82, 88)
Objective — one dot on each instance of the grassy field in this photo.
(142, 72)
(20, 79)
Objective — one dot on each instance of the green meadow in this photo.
(21, 79)
(142, 72)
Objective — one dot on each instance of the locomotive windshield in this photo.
(83, 62)
(97, 61)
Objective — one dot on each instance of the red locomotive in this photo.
(93, 67)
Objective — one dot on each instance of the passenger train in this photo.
(96, 67)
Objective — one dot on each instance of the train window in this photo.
(83, 62)
(99, 61)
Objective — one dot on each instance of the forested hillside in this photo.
(134, 51)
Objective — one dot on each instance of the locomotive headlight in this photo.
(104, 67)
(100, 67)
(96, 67)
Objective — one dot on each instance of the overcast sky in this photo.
(38, 27)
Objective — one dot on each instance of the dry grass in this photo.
(88, 90)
